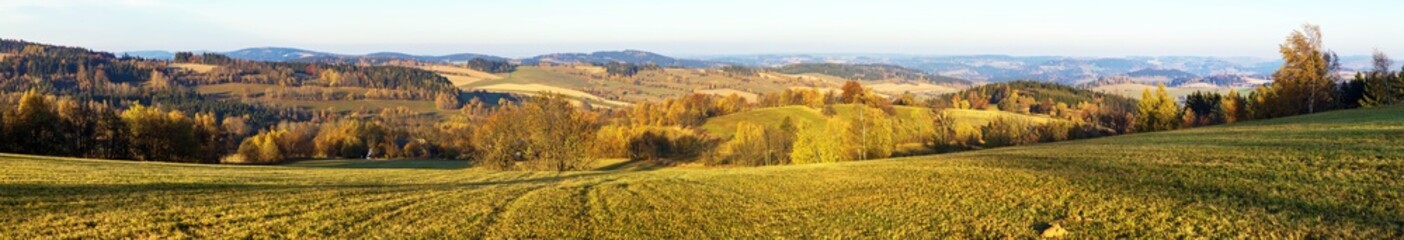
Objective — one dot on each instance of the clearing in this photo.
(194, 67)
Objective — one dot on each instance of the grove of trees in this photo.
(74, 102)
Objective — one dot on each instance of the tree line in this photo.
(1306, 83)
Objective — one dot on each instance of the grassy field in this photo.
(1133, 90)
(460, 76)
(194, 67)
(725, 126)
(532, 89)
(1332, 175)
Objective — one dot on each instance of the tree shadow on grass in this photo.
(1168, 181)
(386, 164)
(10, 192)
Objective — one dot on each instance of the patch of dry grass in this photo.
(194, 67)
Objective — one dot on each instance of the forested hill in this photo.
(119, 82)
(625, 57)
(320, 74)
(1039, 93)
(870, 72)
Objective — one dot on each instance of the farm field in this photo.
(194, 67)
(1330, 175)
(725, 126)
(460, 76)
(1132, 90)
(534, 89)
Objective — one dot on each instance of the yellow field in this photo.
(915, 88)
(727, 92)
(460, 76)
(194, 67)
(538, 88)
(1133, 90)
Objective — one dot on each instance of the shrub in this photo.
(666, 144)
(816, 143)
(1009, 131)
(754, 145)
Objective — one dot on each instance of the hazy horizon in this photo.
(1084, 28)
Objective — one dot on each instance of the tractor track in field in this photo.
(494, 217)
(407, 203)
(586, 207)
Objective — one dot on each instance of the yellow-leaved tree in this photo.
(1158, 111)
(820, 143)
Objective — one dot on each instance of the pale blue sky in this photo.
(526, 27)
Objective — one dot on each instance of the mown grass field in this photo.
(1332, 175)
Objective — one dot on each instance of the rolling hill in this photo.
(1328, 175)
(625, 56)
(1002, 68)
(870, 72)
(284, 54)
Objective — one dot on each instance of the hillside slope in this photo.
(1330, 175)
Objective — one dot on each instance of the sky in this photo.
(518, 28)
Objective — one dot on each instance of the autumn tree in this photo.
(259, 149)
(1232, 107)
(748, 146)
(349, 139)
(870, 134)
(1158, 112)
(958, 103)
(946, 134)
(157, 135)
(1304, 84)
(820, 143)
(447, 101)
(159, 80)
(1010, 131)
(853, 92)
(34, 122)
(547, 132)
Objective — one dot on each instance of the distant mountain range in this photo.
(1001, 68)
(277, 54)
(982, 68)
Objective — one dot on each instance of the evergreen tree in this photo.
(1379, 84)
